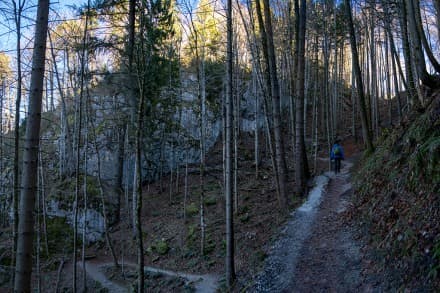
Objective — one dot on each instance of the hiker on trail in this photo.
(336, 155)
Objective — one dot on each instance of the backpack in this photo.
(337, 150)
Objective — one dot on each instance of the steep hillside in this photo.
(398, 200)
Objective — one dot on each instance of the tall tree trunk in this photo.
(202, 84)
(138, 187)
(18, 9)
(23, 270)
(120, 169)
(275, 91)
(392, 47)
(84, 230)
(67, 136)
(230, 269)
(415, 41)
(3, 215)
(437, 19)
(257, 118)
(388, 82)
(301, 164)
(373, 74)
(108, 240)
(359, 84)
(407, 55)
(423, 39)
(396, 85)
(78, 145)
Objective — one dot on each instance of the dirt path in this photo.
(201, 283)
(316, 252)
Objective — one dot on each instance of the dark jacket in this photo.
(337, 156)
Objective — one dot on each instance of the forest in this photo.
(193, 146)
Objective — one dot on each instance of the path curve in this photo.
(95, 271)
(316, 251)
(207, 283)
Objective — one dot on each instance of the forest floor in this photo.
(317, 249)
(324, 254)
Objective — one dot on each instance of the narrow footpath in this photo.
(316, 251)
(202, 283)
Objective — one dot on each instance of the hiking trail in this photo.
(202, 283)
(315, 250)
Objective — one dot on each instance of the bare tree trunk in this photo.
(185, 197)
(407, 54)
(422, 36)
(23, 268)
(255, 79)
(388, 81)
(170, 187)
(84, 230)
(359, 84)
(301, 164)
(38, 226)
(277, 127)
(101, 188)
(373, 72)
(236, 123)
(138, 186)
(4, 213)
(387, 24)
(202, 83)
(437, 19)
(78, 145)
(257, 117)
(43, 204)
(230, 269)
(18, 9)
(65, 131)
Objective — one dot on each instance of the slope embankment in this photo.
(397, 201)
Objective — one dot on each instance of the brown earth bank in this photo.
(397, 201)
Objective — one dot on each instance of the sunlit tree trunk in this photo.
(23, 270)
